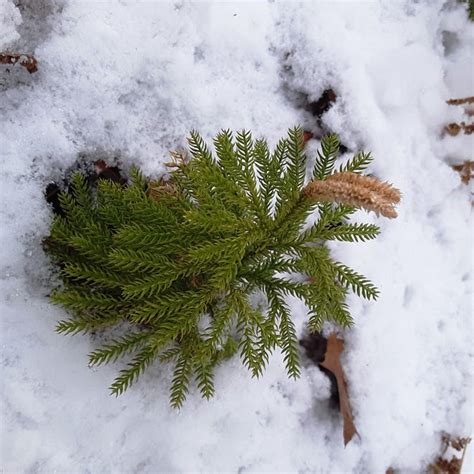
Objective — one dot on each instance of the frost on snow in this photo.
(128, 80)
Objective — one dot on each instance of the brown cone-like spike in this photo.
(356, 190)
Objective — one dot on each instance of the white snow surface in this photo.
(128, 80)
(10, 18)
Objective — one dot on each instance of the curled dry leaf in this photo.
(332, 362)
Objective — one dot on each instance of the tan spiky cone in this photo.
(356, 190)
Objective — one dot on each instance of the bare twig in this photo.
(465, 100)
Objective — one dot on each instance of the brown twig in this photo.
(465, 100)
(26, 60)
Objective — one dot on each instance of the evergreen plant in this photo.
(198, 265)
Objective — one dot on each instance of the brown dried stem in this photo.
(465, 100)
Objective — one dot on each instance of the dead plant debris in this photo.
(307, 136)
(452, 465)
(465, 100)
(332, 362)
(443, 465)
(315, 345)
(466, 170)
(454, 128)
(26, 60)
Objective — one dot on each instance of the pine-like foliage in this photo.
(201, 264)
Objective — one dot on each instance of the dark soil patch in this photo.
(315, 345)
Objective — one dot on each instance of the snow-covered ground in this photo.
(128, 80)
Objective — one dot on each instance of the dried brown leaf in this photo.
(26, 60)
(466, 170)
(306, 137)
(459, 444)
(332, 362)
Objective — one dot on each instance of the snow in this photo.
(128, 80)
(10, 18)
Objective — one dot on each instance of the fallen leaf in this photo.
(466, 170)
(307, 136)
(315, 345)
(332, 362)
(26, 60)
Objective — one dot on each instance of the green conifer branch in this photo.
(359, 284)
(358, 163)
(166, 256)
(204, 370)
(181, 377)
(134, 369)
(118, 348)
(349, 232)
(326, 158)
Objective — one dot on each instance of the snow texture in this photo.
(124, 80)
(10, 18)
